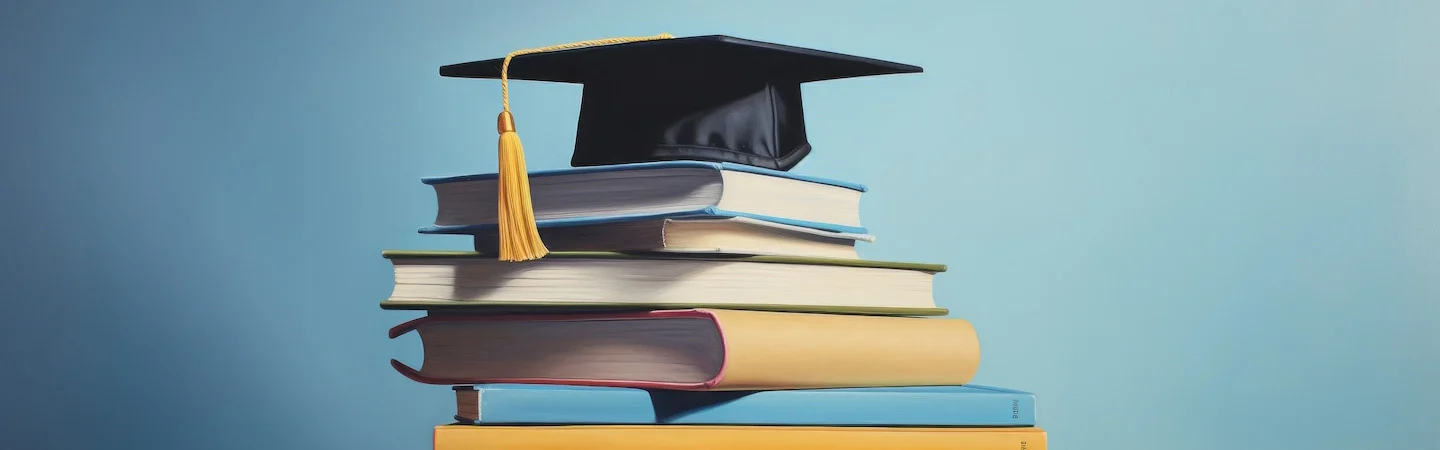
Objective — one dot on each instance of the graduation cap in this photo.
(659, 98)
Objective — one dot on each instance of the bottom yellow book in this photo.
(656, 437)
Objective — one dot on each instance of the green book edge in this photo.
(444, 254)
(521, 308)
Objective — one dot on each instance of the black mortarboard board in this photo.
(710, 98)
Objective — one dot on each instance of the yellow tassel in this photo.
(519, 236)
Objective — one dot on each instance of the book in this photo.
(694, 349)
(969, 405)
(625, 192)
(734, 235)
(726, 437)
(433, 280)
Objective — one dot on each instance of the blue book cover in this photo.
(969, 405)
(709, 212)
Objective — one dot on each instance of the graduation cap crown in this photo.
(656, 98)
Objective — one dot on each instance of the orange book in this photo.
(698, 349)
(676, 437)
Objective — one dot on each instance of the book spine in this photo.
(558, 406)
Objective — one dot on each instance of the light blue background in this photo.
(1193, 225)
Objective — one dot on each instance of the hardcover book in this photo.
(696, 349)
(730, 437)
(455, 279)
(625, 192)
(968, 405)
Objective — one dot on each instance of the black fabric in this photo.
(709, 98)
(626, 120)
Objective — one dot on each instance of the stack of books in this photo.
(698, 303)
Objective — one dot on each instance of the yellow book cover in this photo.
(667, 437)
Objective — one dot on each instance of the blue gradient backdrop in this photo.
(1185, 226)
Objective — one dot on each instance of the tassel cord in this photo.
(505, 66)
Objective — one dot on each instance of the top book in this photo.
(808, 207)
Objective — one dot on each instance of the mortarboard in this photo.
(657, 98)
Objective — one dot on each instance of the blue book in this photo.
(969, 405)
(468, 204)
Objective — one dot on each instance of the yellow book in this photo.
(656, 437)
(698, 349)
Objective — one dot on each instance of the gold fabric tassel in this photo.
(519, 236)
